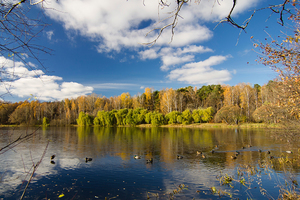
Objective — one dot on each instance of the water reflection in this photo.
(114, 169)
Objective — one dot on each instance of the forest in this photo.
(271, 103)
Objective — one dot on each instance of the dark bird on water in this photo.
(88, 159)
(150, 160)
(52, 162)
(179, 157)
(52, 157)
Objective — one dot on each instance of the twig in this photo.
(34, 169)
(17, 141)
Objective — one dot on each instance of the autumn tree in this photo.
(166, 100)
(284, 58)
(228, 114)
(247, 99)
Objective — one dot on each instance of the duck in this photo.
(150, 160)
(212, 151)
(88, 159)
(243, 147)
(179, 157)
(233, 157)
(268, 152)
(52, 162)
(249, 145)
(203, 156)
(289, 151)
(137, 157)
(259, 150)
(237, 153)
(271, 157)
(52, 157)
(199, 152)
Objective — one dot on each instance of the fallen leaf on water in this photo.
(60, 196)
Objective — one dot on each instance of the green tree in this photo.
(172, 117)
(120, 116)
(157, 119)
(207, 114)
(45, 121)
(186, 117)
(84, 119)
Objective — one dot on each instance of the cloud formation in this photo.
(118, 24)
(201, 72)
(24, 82)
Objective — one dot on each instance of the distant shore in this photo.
(197, 125)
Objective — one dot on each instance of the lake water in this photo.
(114, 173)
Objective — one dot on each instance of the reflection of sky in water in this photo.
(114, 173)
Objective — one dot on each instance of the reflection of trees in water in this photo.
(168, 142)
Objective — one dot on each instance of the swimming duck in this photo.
(289, 151)
(52, 162)
(203, 156)
(268, 152)
(271, 157)
(237, 153)
(249, 145)
(179, 157)
(88, 159)
(137, 157)
(212, 151)
(243, 147)
(259, 150)
(233, 157)
(52, 157)
(150, 160)
(199, 152)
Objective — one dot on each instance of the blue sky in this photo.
(97, 49)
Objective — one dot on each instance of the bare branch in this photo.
(13, 7)
(172, 25)
(17, 141)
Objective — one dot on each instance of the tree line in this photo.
(211, 103)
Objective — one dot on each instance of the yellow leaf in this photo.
(60, 196)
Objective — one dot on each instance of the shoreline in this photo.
(196, 125)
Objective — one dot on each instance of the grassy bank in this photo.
(219, 125)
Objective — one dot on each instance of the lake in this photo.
(260, 170)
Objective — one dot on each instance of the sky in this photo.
(99, 47)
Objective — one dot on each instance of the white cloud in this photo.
(117, 24)
(174, 60)
(171, 56)
(23, 82)
(201, 72)
(149, 54)
(49, 34)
